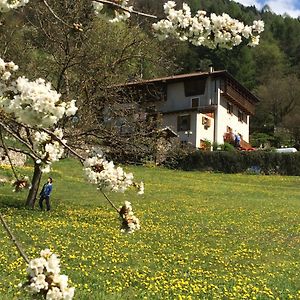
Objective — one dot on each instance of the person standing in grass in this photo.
(45, 194)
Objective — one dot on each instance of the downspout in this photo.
(216, 114)
(211, 95)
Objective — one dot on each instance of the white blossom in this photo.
(32, 103)
(68, 293)
(52, 264)
(36, 266)
(49, 149)
(35, 104)
(45, 278)
(54, 294)
(6, 5)
(201, 30)
(254, 41)
(6, 75)
(169, 6)
(130, 222)
(46, 253)
(141, 188)
(106, 175)
(97, 7)
(258, 26)
(121, 14)
(61, 281)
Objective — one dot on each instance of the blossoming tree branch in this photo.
(32, 111)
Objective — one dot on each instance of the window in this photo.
(229, 108)
(195, 102)
(194, 87)
(242, 116)
(206, 122)
(184, 123)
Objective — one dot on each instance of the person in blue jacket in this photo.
(237, 140)
(45, 194)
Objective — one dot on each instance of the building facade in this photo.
(200, 107)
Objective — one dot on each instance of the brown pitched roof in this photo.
(180, 77)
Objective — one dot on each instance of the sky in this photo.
(291, 7)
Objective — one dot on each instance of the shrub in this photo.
(228, 147)
(237, 162)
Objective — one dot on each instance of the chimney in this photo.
(211, 68)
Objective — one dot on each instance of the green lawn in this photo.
(203, 236)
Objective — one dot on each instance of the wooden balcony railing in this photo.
(232, 94)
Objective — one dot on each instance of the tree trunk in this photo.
(35, 183)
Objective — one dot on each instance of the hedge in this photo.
(237, 162)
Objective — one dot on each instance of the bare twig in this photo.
(115, 5)
(55, 15)
(12, 237)
(34, 155)
(19, 151)
(106, 2)
(110, 202)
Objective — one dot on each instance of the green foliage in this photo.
(223, 147)
(228, 147)
(261, 139)
(203, 234)
(237, 162)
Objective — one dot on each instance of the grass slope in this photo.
(203, 236)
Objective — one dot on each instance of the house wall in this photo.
(171, 121)
(203, 132)
(176, 99)
(226, 119)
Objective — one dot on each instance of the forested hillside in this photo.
(80, 65)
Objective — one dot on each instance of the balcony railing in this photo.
(232, 94)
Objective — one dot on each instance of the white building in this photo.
(200, 107)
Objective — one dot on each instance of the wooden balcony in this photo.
(235, 95)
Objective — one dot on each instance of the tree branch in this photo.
(34, 155)
(20, 151)
(115, 5)
(55, 15)
(106, 197)
(12, 237)
(63, 144)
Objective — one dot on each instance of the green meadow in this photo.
(203, 236)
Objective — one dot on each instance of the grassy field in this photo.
(203, 236)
